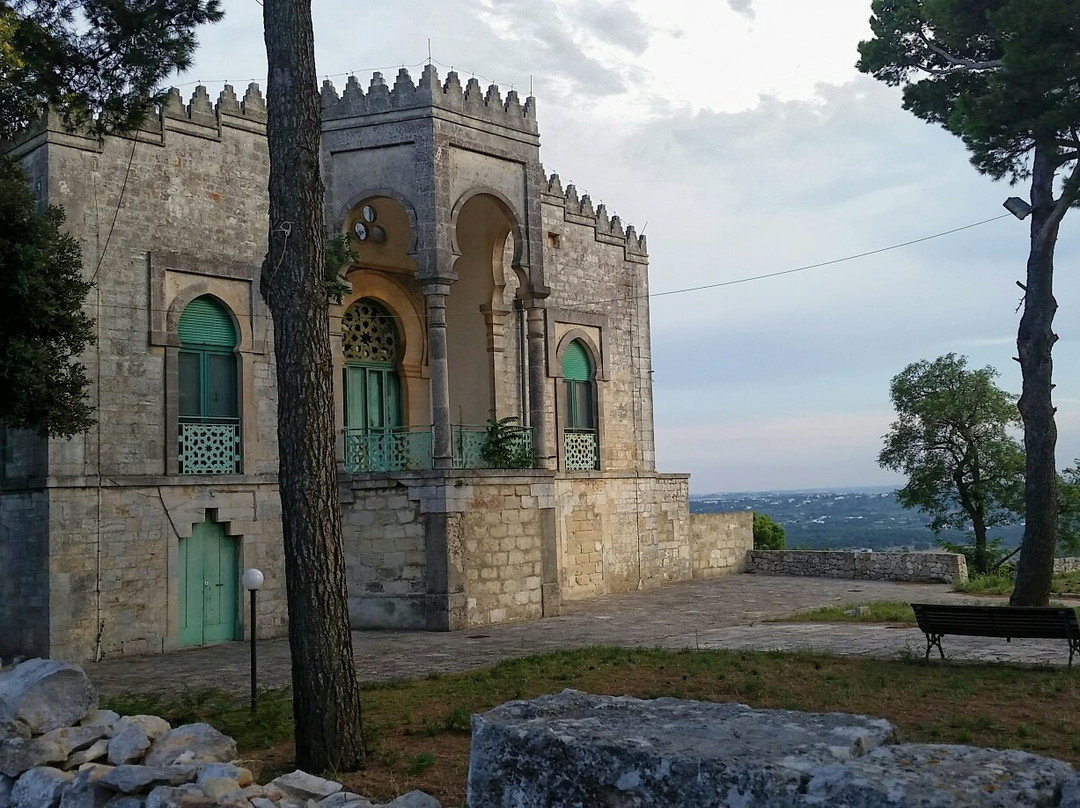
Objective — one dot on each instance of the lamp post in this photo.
(252, 580)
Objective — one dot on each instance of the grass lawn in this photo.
(880, 611)
(418, 730)
(1063, 583)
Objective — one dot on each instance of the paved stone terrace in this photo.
(726, 612)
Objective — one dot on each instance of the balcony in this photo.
(581, 449)
(410, 449)
(209, 445)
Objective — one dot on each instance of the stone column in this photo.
(441, 446)
(538, 415)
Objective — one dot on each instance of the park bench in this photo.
(1044, 623)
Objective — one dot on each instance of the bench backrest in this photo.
(1050, 622)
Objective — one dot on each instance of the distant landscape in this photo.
(869, 518)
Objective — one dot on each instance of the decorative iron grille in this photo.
(473, 449)
(581, 449)
(368, 333)
(397, 449)
(209, 446)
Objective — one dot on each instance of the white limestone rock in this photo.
(304, 786)
(344, 799)
(132, 779)
(945, 776)
(152, 725)
(191, 743)
(96, 751)
(414, 799)
(20, 754)
(41, 787)
(187, 796)
(43, 695)
(101, 718)
(128, 745)
(85, 791)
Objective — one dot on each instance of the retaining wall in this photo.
(925, 567)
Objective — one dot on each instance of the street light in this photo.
(1017, 207)
(252, 580)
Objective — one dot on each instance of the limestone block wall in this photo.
(1066, 565)
(500, 535)
(24, 573)
(928, 567)
(385, 558)
(721, 542)
(114, 572)
(618, 533)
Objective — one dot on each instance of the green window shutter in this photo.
(206, 322)
(575, 364)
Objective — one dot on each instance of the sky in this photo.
(741, 138)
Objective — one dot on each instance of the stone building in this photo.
(493, 389)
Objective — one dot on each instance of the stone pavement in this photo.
(725, 612)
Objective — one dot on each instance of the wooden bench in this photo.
(1043, 623)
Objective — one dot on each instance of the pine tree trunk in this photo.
(1034, 342)
(326, 695)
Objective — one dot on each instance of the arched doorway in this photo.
(209, 577)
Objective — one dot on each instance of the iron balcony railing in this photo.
(410, 448)
(581, 449)
(209, 445)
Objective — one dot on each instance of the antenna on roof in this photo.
(429, 50)
(530, 84)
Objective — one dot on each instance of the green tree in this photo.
(768, 535)
(326, 694)
(43, 328)
(951, 439)
(98, 62)
(1003, 75)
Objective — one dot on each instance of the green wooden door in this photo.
(209, 578)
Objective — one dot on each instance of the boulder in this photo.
(344, 799)
(5, 789)
(128, 745)
(179, 797)
(40, 787)
(45, 694)
(414, 799)
(204, 743)
(152, 725)
(101, 718)
(131, 779)
(576, 749)
(85, 791)
(19, 754)
(125, 801)
(304, 786)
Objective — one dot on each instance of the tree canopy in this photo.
(42, 325)
(1004, 76)
(951, 439)
(98, 62)
(768, 535)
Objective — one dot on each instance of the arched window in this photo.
(579, 409)
(209, 399)
(374, 429)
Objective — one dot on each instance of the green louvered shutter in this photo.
(575, 363)
(205, 322)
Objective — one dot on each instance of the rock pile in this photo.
(58, 750)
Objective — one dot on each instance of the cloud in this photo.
(743, 7)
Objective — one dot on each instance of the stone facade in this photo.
(1069, 564)
(477, 283)
(929, 567)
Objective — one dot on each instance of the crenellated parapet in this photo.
(471, 100)
(200, 117)
(579, 209)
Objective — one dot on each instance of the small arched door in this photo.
(209, 575)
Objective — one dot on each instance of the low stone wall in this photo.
(720, 542)
(927, 567)
(1071, 564)
(617, 750)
